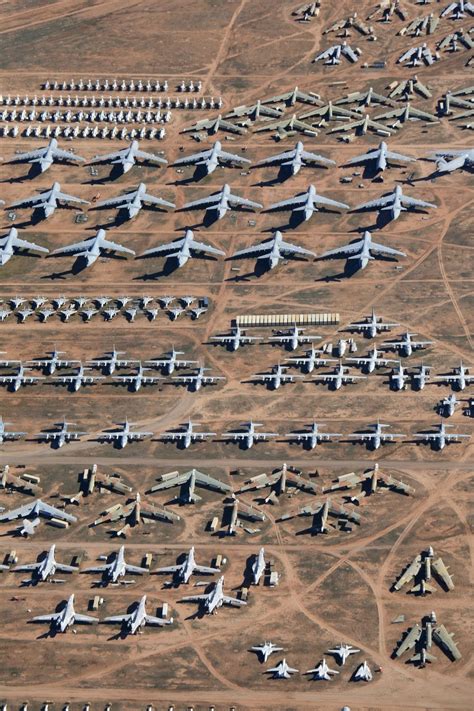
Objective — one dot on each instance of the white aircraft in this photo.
(89, 250)
(339, 377)
(371, 361)
(76, 380)
(67, 617)
(211, 158)
(265, 649)
(134, 201)
(46, 156)
(406, 345)
(381, 157)
(198, 379)
(138, 378)
(182, 572)
(111, 361)
(221, 202)
(310, 360)
(394, 203)
(322, 671)
(282, 670)
(258, 566)
(127, 157)
(118, 568)
(293, 338)
(34, 510)
(62, 435)
(372, 325)
(440, 438)
(449, 161)
(447, 406)
(10, 244)
(53, 362)
(421, 376)
(307, 203)
(133, 621)
(186, 436)
(249, 435)
(46, 567)
(295, 159)
(376, 436)
(235, 339)
(313, 436)
(170, 362)
(273, 251)
(459, 378)
(16, 380)
(363, 673)
(457, 10)
(343, 652)
(211, 601)
(333, 54)
(182, 249)
(398, 377)
(362, 251)
(277, 377)
(4, 435)
(49, 200)
(124, 435)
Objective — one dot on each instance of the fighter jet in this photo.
(67, 617)
(265, 649)
(277, 377)
(34, 510)
(46, 156)
(134, 513)
(16, 380)
(459, 378)
(116, 569)
(362, 251)
(457, 10)
(221, 202)
(322, 671)
(185, 437)
(110, 361)
(406, 345)
(440, 438)
(214, 125)
(363, 673)
(211, 158)
(307, 203)
(6, 435)
(293, 338)
(235, 339)
(249, 435)
(339, 377)
(394, 204)
(279, 481)
(320, 513)
(134, 201)
(137, 619)
(182, 572)
(291, 97)
(49, 200)
(416, 56)
(296, 158)
(313, 436)
(53, 362)
(449, 161)
(11, 244)
(398, 377)
(272, 251)
(371, 481)
(45, 568)
(76, 380)
(343, 652)
(196, 380)
(62, 435)
(127, 157)
(124, 435)
(420, 572)
(182, 249)
(188, 481)
(210, 602)
(333, 54)
(420, 377)
(381, 157)
(376, 436)
(89, 250)
(137, 379)
(4, 314)
(282, 670)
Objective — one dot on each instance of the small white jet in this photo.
(406, 345)
(4, 435)
(89, 250)
(186, 436)
(459, 378)
(169, 362)
(117, 568)
(45, 568)
(198, 379)
(76, 380)
(307, 203)
(372, 325)
(53, 362)
(249, 435)
(312, 437)
(293, 338)
(282, 670)
(322, 671)
(16, 380)
(398, 377)
(134, 201)
(372, 361)
(45, 157)
(111, 361)
(265, 649)
(49, 200)
(139, 378)
(333, 54)
(375, 436)
(339, 377)
(380, 158)
(440, 437)
(183, 249)
(127, 157)
(235, 339)
(11, 244)
(258, 566)
(272, 251)
(363, 673)
(182, 572)
(296, 158)
(343, 652)
(214, 599)
(449, 161)
(394, 204)
(211, 158)
(362, 251)
(221, 202)
(67, 617)
(62, 435)
(134, 621)
(124, 435)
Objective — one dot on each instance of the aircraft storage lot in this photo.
(335, 587)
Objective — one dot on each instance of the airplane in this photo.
(60, 621)
(265, 649)
(306, 203)
(34, 510)
(398, 377)
(10, 244)
(368, 97)
(198, 379)
(117, 568)
(186, 436)
(440, 438)
(330, 112)
(322, 671)
(138, 378)
(62, 435)
(447, 406)
(235, 339)
(89, 250)
(277, 377)
(127, 157)
(421, 377)
(124, 435)
(293, 338)
(47, 155)
(188, 481)
(361, 126)
(406, 345)
(211, 158)
(320, 513)
(110, 361)
(449, 161)
(27, 527)
(4, 314)
(371, 481)
(134, 201)
(286, 124)
(312, 437)
(310, 360)
(134, 513)
(254, 112)
(45, 568)
(182, 572)
(221, 202)
(333, 54)
(214, 599)
(282, 670)
(375, 436)
(182, 249)
(343, 652)
(406, 113)
(362, 251)
(406, 89)
(133, 621)
(76, 380)
(415, 56)
(291, 97)
(445, 640)
(279, 481)
(363, 673)
(381, 157)
(394, 203)
(457, 10)
(295, 159)
(53, 362)
(24, 314)
(16, 302)
(16, 380)
(49, 200)
(339, 377)
(273, 250)
(214, 125)
(235, 511)
(420, 571)
(4, 435)
(258, 566)
(422, 636)
(170, 362)
(249, 436)
(21, 482)
(371, 361)
(459, 378)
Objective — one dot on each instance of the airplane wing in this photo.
(150, 156)
(410, 640)
(177, 480)
(195, 598)
(289, 248)
(164, 248)
(399, 156)
(169, 569)
(157, 201)
(117, 619)
(320, 200)
(292, 202)
(98, 569)
(250, 251)
(106, 157)
(203, 570)
(277, 158)
(135, 569)
(324, 54)
(442, 571)
(23, 244)
(202, 247)
(84, 619)
(108, 244)
(66, 568)
(307, 155)
(24, 568)
(365, 157)
(71, 198)
(158, 621)
(31, 155)
(58, 513)
(45, 618)
(194, 158)
(20, 512)
(349, 52)
(67, 155)
(382, 249)
(210, 481)
(76, 247)
(29, 201)
(412, 202)
(410, 573)
(445, 639)
(232, 156)
(379, 202)
(116, 200)
(233, 601)
(345, 249)
(243, 202)
(203, 202)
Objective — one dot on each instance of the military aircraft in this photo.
(4, 314)
(416, 56)
(362, 251)
(449, 161)
(406, 89)
(277, 377)
(393, 204)
(367, 97)
(62, 435)
(457, 10)
(444, 639)
(265, 649)
(49, 200)
(372, 361)
(333, 54)
(211, 601)
(258, 566)
(440, 437)
(421, 637)
(343, 652)
(6, 435)
(124, 435)
(322, 671)
(182, 249)
(221, 202)
(110, 361)
(330, 112)
(293, 338)
(279, 481)
(137, 619)
(381, 157)
(272, 251)
(169, 362)
(186, 436)
(45, 568)
(398, 377)
(459, 378)
(22, 482)
(363, 673)
(310, 360)
(282, 670)
(45, 157)
(421, 376)
(405, 345)
(182, 572)
(76, 380)
(235, 511)
(249, 435)
(361, 126)
(34, 510)
(134, 201)
(320, 513)
(286, 124)
(211, 158)
(375, 436)
(339, 377)
(420, 572)
(447, 405)
(89, 250)
(117, 568)
(253, 112)
(16, 380)
(406, 113)
(127, 157)
(235, 339)
(188, 481)
(295, 159)
(10, 244)
(67, 617)
(134, 513)
(137, 379)
(53, 362)
(198, 379)
(371, 481)
(214, 125)
(291, 97)
(307, 203)
(313, 436)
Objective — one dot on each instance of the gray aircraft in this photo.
(277, 377)
(134, 201)
(313, 436)
(67, 617)
(62, 435)
(116, 569)
(380, 158)
(253, 112)
(420, 571)
(421, 637)
(398, 377)
(11, 244)
(279, 481)
(188, 481)
(235, 339)
(394, 204)
(458, 10)
(211, 601)
(361, 126)
(375, 436)
(211, 158)
(343, 652)
(288, 124)
(458, 379)
(440, 437)
(127, 157)
(421, 376)
(362, 251)
(282, 670)
(6, 435)
(405, 345)
(290, 98)
(134, 621)
(45, 568)
(339, 377)
(307, 203)
(311, 360)
(417, 56)
(293, 338)
(372, 361)
(295, 159)
(447, 406)
(320, 513)
(197, 380)
(265, 649)
(214, 125)
(186, 436)
(110, 361)
(221, 202)
(45, 157)
(49, 200)
(53, 362)
(169, 362)
(236, 513)
(34, 510)
(139, 378)
(182, 572)
(75, 381)
(367, 97)
(333, 54)
(134, 513)
(249, 435)
(124, 435)
(330, 112)
(322, 671)
(449, 161)
(371, 481)
(272, 251)
(16, 380)
(183, 249)
(406, 113)
(89, 250)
